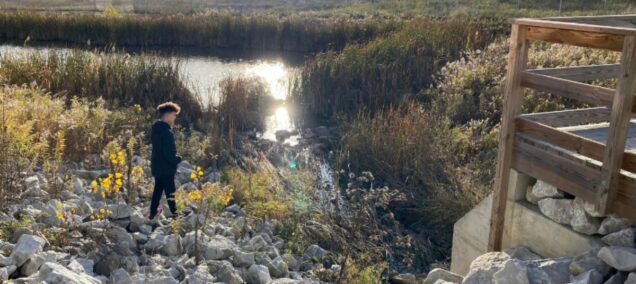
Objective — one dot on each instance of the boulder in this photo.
(590, 208)
(278, 268)
(258, 274)
(622, 238)
(613, 224)
(514, 271)
(558, 210)
(218, 248)
(6, 271)
(32, 265)
(55, 273)
(522, 253)
(120, 276)
(582, 222)
(587, 261)
(550, 271)
(631, 278)
(483, 268)
(588, 277)
(542, 190)
(27, 246)
(621, 258)
(171, 245)
(403, 278)
(200, 275)
(314, 253)
(617, 278)
(441, 274)
(243, 259)
(228, 274)
(107, 264)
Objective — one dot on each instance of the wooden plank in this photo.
(582, 30)
(619, 123)
(512, 101)
(582, 73)
(569, 141)
(573, 177)
(625, 202)
(586, 93)
(602, 40)
(630, 17)
(571, 117)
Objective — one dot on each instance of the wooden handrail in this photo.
(586, 93)
(581, 73)
(569, 141)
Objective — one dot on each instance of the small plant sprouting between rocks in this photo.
(206, 200)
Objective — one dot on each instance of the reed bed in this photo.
(259, 31)
(382, 72)
(119, 79)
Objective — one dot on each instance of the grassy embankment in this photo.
(423, 117)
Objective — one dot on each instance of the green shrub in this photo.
(257, 193)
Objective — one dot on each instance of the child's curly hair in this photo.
(168, 107)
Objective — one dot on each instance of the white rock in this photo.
(27, 246)
(587, 261)
(559, 210)
(441, 274)
(613, 224)
(622, 238)
(631, 278)
(542, 190)
(582, 222)
(621, 258)
(483, 268)
(56, 273)
(522, 253)
(588, 277)
(514, 271)
(258, 274)
(550, 271)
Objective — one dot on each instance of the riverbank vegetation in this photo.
(259, 31)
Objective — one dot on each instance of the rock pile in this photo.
(607, 265)
(129, 248)
(581, 215)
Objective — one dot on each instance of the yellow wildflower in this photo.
(58, 206)
(103, 194)
(118, 175)
(102, 210)
(195, 195)
(193, 175)
(59, 215)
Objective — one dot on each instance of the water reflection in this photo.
(202, 75)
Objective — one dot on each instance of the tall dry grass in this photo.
(219, 29)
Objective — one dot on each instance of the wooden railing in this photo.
(521, 135)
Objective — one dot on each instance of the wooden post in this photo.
(619, 125)
(512, 100)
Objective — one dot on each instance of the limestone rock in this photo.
(27, 246)
(441, 274)
(483, 268)
(200, 275)
(107, 264)
(171, 246)
(120, 276)
(514, 271)
(588, 277)
(32, 265)
(588, 261)
(228, 274)
(617, 278)
(218, 248)
(621, 258)
(550, 271)
(631, 278)
(522, 253)
(243, 259)
(258, 274)
(56, 273)
(314, 253)
(559, 210)
(542, 190)
(622, 238)
(590, 208)
(404, 278)
(613, 224)
(582, 222)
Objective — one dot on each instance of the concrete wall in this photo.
(524, 225)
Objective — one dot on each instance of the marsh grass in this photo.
(119, 79)
(382, 72)
(218, 29)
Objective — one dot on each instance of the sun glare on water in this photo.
(276, 76)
